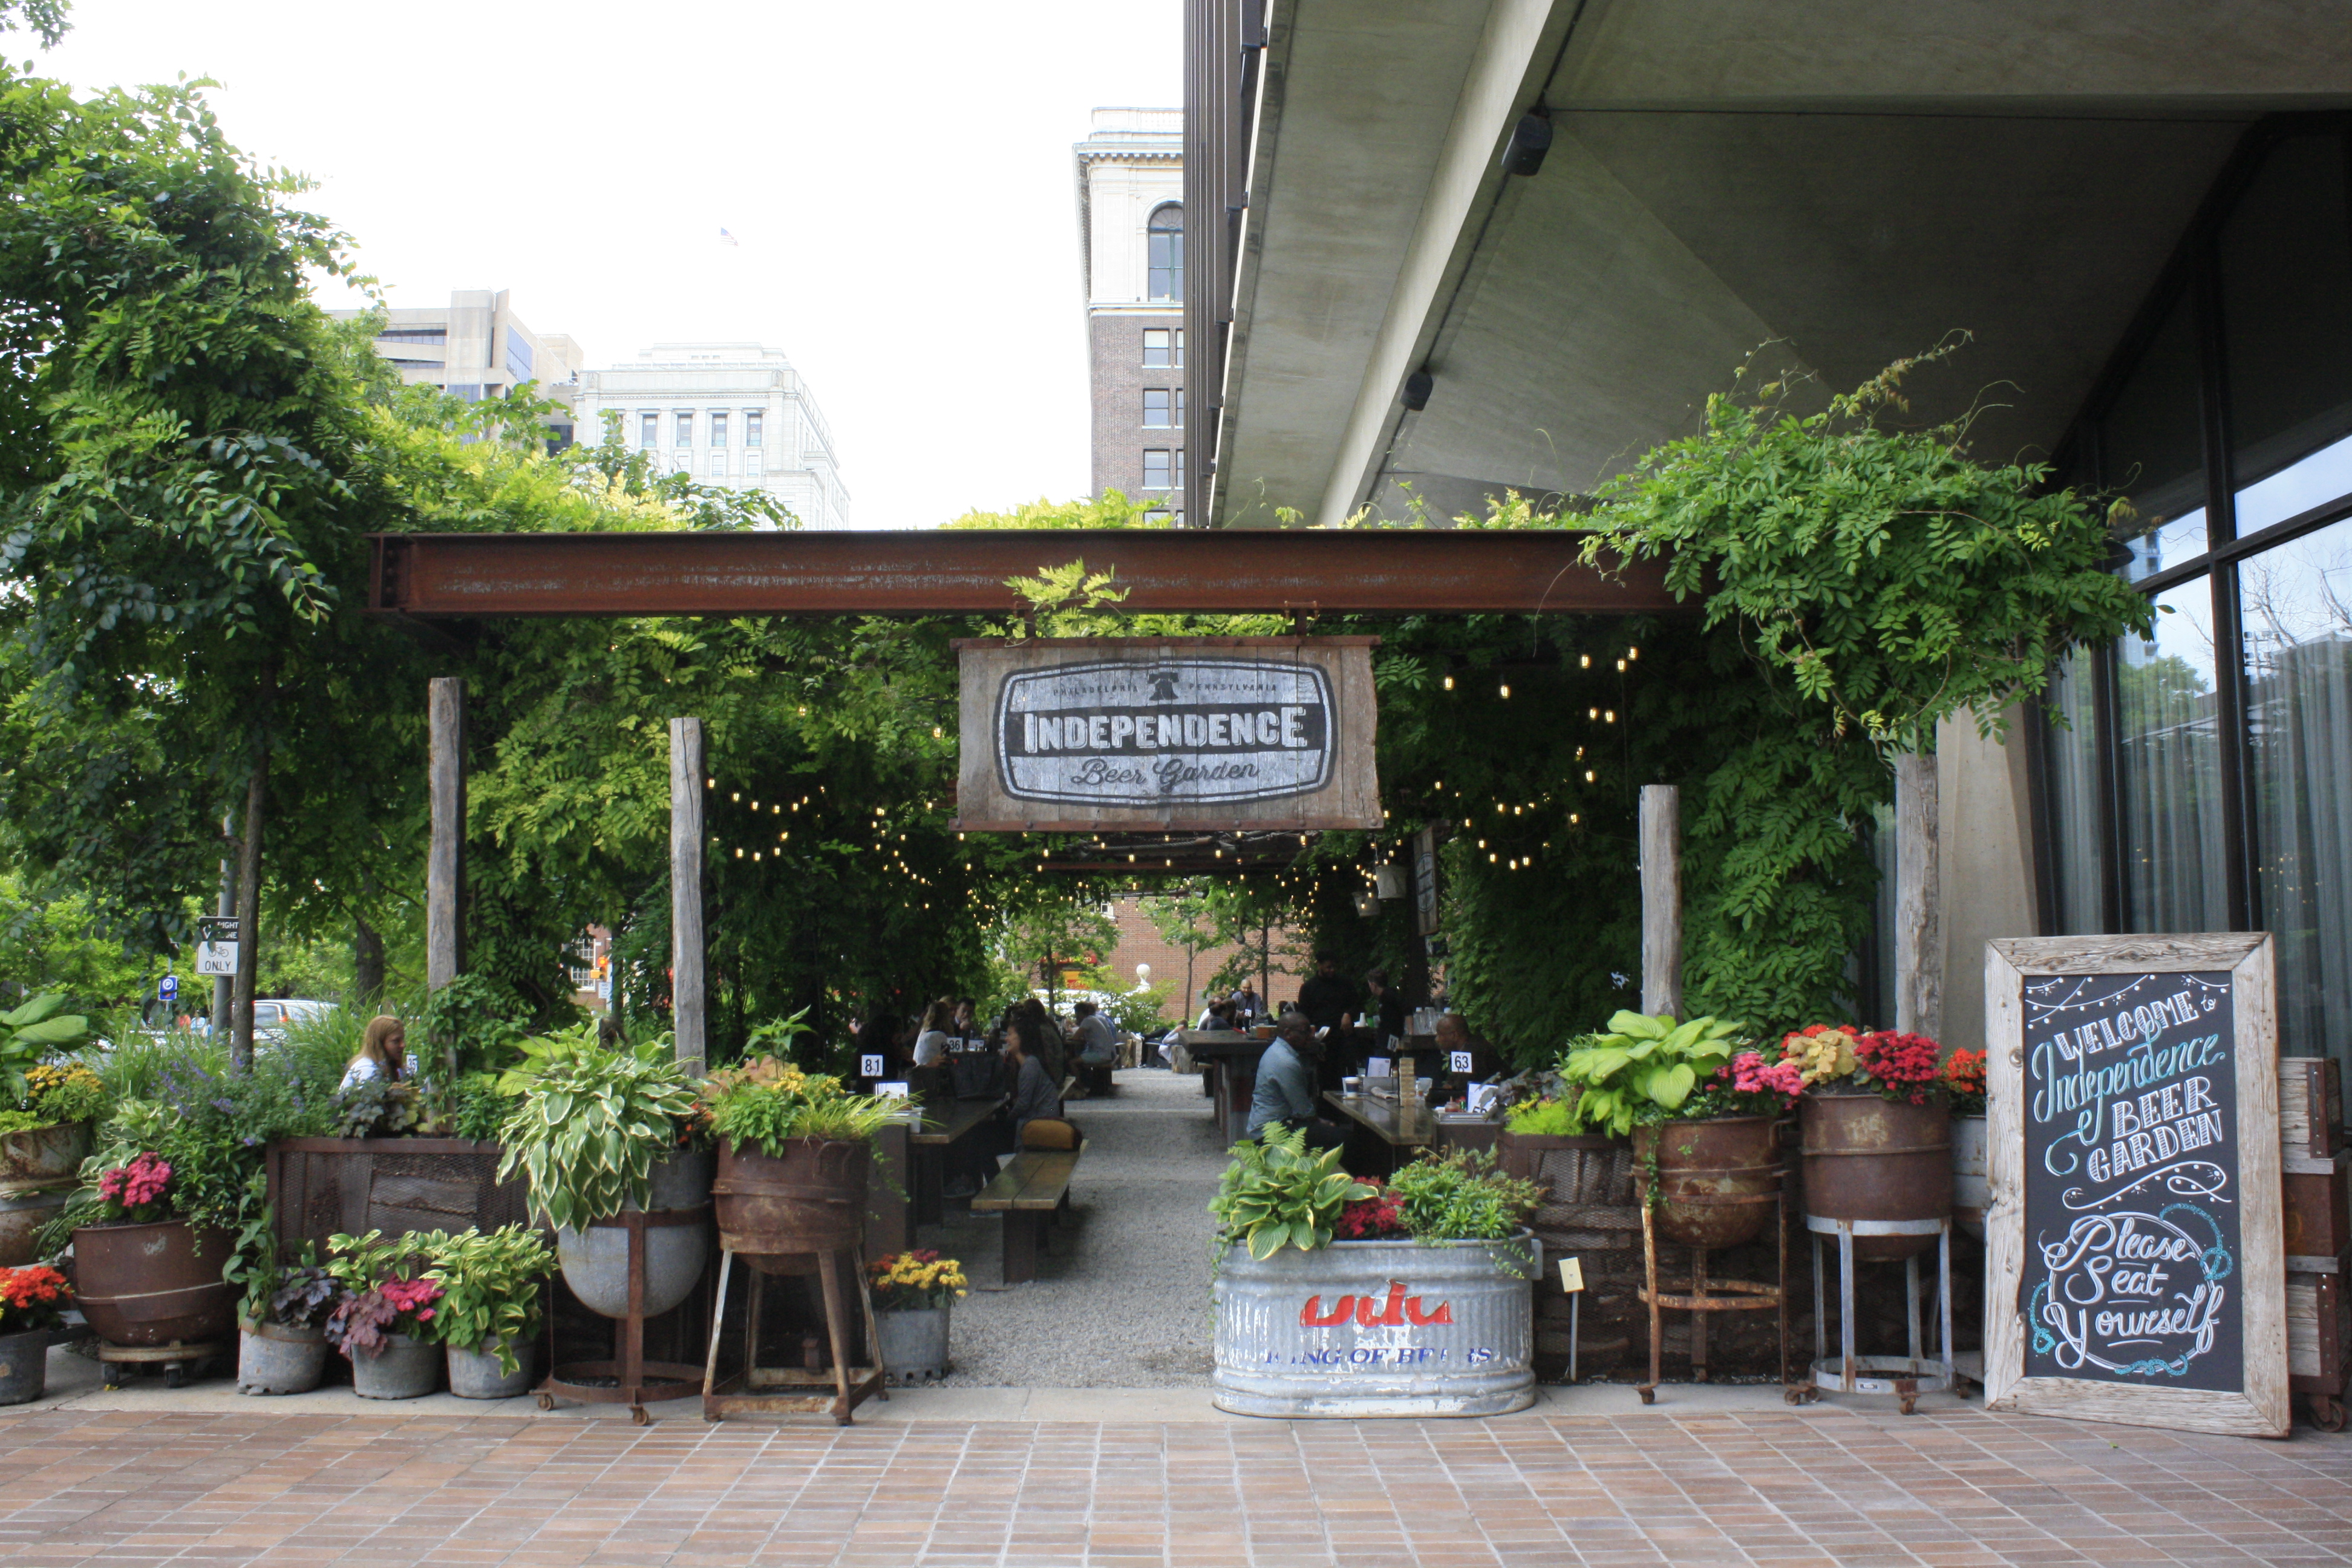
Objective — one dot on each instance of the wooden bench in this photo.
(1029, 1193)
(940, 1132)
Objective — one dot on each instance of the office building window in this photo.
(1164, 241)
(717, 462)
(1179, 467)
(753, 420)
(1155, 517)
(1158, 351)
(415, 334)
(686, 430)
(519, 356)
(471, 393)
(718, 429)
(648, 431)
(1155, 470)
(1180, 405)
(1157, 408)
(682, 461)
(752, 460)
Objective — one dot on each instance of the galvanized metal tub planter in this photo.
(23, 1366)
(914, 1342)
(406, 1368)
(274, 1359)
(43, 1153)
(596, 1261)
(1377, 1328)
(1971, 1174)
(478, 1374)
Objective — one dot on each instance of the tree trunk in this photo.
(249, 912)
(367, 961)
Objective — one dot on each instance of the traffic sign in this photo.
(217, 939)
(168, 988)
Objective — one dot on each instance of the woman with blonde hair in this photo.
(382, 1053)
(932, 1040)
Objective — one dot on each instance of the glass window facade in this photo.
(753, 427)
(1156, 471)
(686, 430)
(718, 429)
(1164, 242)
(649, 430)
(1158, 408)
(2195, 779)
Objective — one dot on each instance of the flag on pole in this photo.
(726, 239)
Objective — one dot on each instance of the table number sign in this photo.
(870, 1066)
(2136, 1265)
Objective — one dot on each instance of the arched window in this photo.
(1165, 238)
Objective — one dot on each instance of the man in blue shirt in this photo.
(1285, 1086)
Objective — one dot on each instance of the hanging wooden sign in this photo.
(1200, 733)
(2135, 1268)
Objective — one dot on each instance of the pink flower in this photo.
(138, 1182)
(1751, 1074)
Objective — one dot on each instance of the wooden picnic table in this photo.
(942, 1129)
(1385, 1119)
(1229, 1061)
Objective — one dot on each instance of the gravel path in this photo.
(1121, 1299)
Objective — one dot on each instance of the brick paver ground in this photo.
(1764, 1488)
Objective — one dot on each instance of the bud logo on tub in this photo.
(1369, 1312)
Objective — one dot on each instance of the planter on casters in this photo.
(1710, 1184)
(274, 1359)
(1878, 1185)
(639, 1263)
(798, 1213)
(1377, 1328)
(405, 1368)
(154, 1293)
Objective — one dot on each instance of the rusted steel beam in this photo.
(954, 572)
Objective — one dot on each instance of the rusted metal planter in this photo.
(43, 1153)
(1718, 1179)
(149, 1286)
(1874, 1160)
(1377, 1328)
(24, 1208)
(776, 1211)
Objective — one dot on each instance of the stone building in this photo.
(476, 347)
(732, 414)
(1131, 174)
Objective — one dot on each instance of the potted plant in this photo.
(602, 1129)
(1964, 1084)
(31, 1302)
(144, 1273)
(381, 1319)
(282, 1325)
(1335, 1296)
(489, 1308)
(1877, 1133)
(1704, 1129)
(43, 1142)
(794, 1151)
(914, 1293)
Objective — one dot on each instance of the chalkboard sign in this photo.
(2136, 1272)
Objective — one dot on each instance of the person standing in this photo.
(1387, 1011)
(1248, 1005)
(1328, 1000)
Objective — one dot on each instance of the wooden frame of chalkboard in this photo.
(2135, 1270)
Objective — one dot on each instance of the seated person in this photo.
(1453, 1035)
(1034, 1094)
(1219, 1019)
(1286, 1086)
(1097, 1036)
(932, 1040)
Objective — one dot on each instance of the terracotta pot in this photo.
(43, 1153)
(1717, 1179)
(1873, 1159)
(156, 1284)
(810, 1200)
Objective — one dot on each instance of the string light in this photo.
(1506, 692)
(1584, 662)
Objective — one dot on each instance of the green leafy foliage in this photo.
(1275, 1194)
(1544, 1117)
(590, 1129)
(1643, 1069)
(32, 1032)
(489, 1289)
(766, 1104)
(1461, 1196)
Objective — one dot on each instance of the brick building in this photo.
(1139, 943)
(1130, 173)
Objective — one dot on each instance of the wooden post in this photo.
(1918, 926)
(444, 865)
(686, 857)
(1662, 900)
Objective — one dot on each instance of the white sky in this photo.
(899, 178)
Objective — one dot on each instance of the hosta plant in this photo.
(31, 1031)
(489, 1289)
(591, 1126)
(1275, 1194)
(1643, 1070)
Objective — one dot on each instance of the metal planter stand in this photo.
(633, 1380)
(784, 1390)
(1706, 1295)
(1906, 1377)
